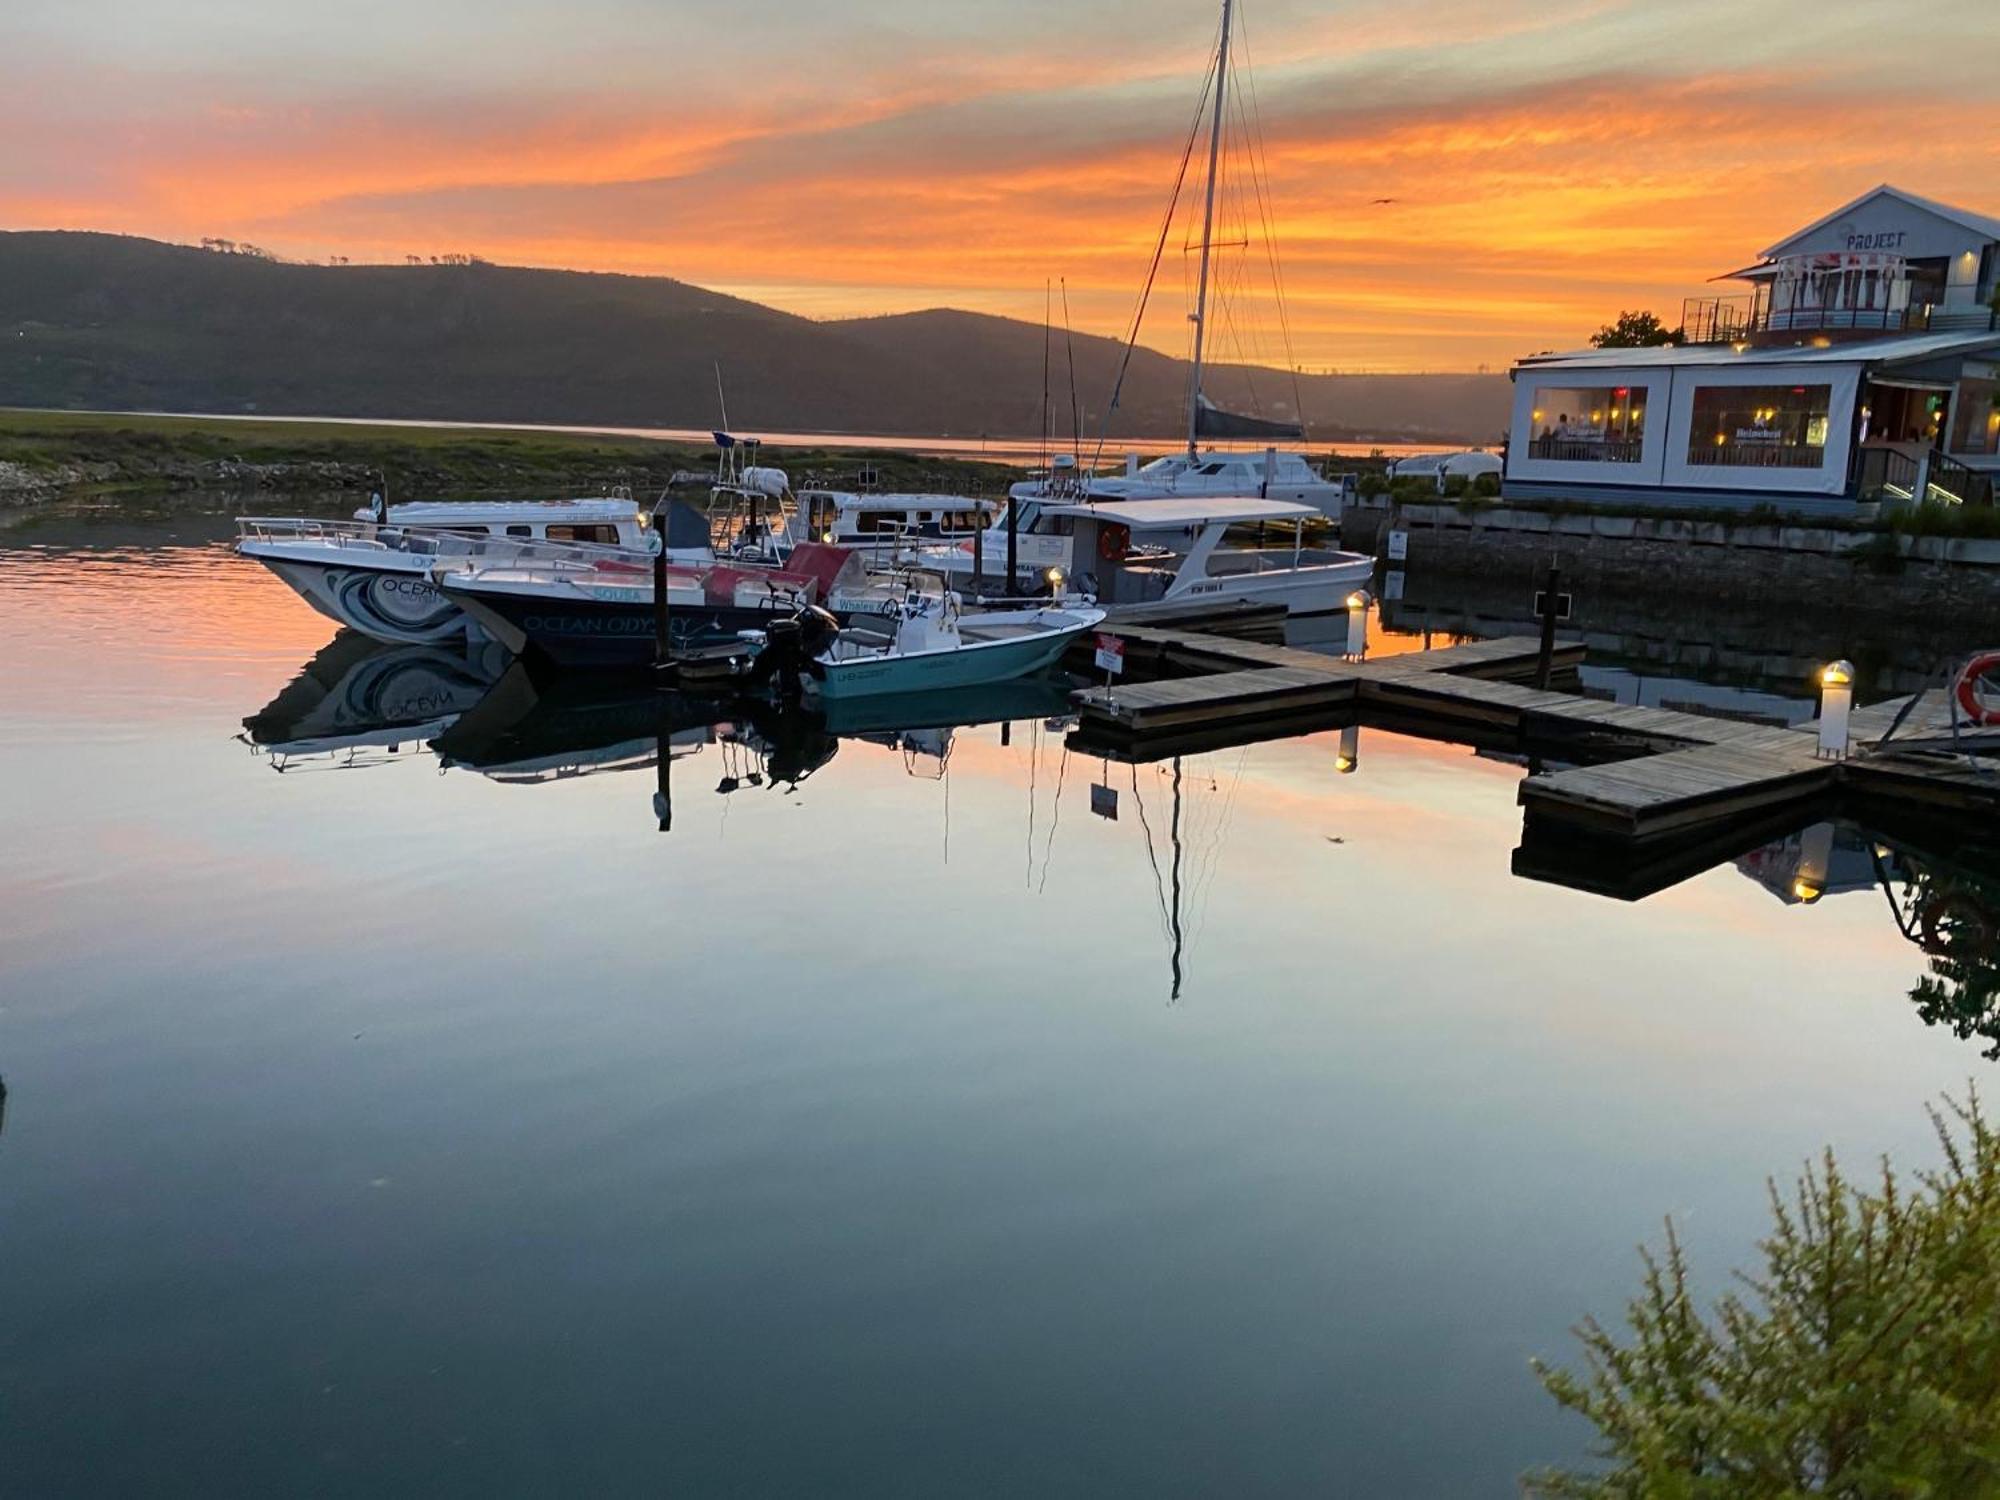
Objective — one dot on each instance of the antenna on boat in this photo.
(720, 399)
(1207, 234)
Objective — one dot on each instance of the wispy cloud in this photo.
(1545, 168)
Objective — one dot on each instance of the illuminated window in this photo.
(1759, 426)
(1596, 425)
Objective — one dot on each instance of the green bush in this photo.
(1863, 1361)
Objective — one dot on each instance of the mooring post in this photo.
(662, 632)
(1545, 658)
(979, 555)
(663, 791)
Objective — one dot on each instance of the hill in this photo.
(102, 322)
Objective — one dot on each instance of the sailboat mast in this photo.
(1207, 234)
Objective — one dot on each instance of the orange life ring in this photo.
(1966, 689)
(1114, 540)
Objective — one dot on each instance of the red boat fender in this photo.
(1971, 702)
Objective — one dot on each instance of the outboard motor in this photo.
(790, 649)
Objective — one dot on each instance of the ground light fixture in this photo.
(1357, 624)
(1347, 760)
(1836, 701)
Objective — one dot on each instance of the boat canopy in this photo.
(1193, 510)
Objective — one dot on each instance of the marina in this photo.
(1135, 941)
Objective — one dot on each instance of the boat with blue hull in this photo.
(931, 646)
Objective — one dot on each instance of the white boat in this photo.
(1198, 472)
(1269, 475)
(932, 645)
(851, 519)
(372, 574)
(1185, 556)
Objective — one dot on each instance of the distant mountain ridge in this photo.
(113, 322)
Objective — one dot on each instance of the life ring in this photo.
(1114, 540)
(1971, 702)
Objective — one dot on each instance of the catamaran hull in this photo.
(972, 666)
(397, 604)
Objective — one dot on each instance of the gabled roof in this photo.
(1978, 223)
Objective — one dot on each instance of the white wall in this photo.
(1527, 385)
(1829, 479)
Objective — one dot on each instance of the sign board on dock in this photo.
(1399, 546)
(1110, 654)
(1392, 584)
(1104, 801)
(1542, 605)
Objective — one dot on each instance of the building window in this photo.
(1759, 426)
(1593, 425)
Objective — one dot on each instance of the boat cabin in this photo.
(849, 519)
(605, 521)
(1139, 552)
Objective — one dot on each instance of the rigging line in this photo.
(1055, 817)
(1260, 169)
(1152, 858)
(1152, 270)
(1045, 373)
(1075, 413)
(1205, 878)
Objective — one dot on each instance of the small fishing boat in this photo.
(373, 573)
(930, 644)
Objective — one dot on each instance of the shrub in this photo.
(1864, 1360)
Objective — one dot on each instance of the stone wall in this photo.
(1694, 560)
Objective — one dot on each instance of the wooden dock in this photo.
(1631, 773)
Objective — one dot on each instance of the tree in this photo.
(1635, 330)
(1864, 1361)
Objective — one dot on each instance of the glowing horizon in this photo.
(1546, 171)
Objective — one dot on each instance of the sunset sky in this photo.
(1550, 164)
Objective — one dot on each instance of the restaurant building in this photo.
(1860, 366)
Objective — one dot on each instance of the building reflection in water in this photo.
(1945, 906)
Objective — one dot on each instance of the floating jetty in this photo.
(1664, 784)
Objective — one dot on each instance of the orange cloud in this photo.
(1527, 208)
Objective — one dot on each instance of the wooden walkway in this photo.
(1681, 775)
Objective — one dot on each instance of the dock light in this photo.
(1357, 624)
(1348, 760)
(1815, 858)
(1055, 577)
(1836, 700)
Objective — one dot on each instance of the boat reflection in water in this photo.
(530, 728)
(358, 702)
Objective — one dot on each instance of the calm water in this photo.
(381, 1119)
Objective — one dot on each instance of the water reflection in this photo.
(358, 702)
(1951, 910)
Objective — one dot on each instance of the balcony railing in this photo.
(1732, 320)
(1585, 449)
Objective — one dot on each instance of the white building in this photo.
(1862, 365)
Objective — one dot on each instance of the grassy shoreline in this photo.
(57, 454)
